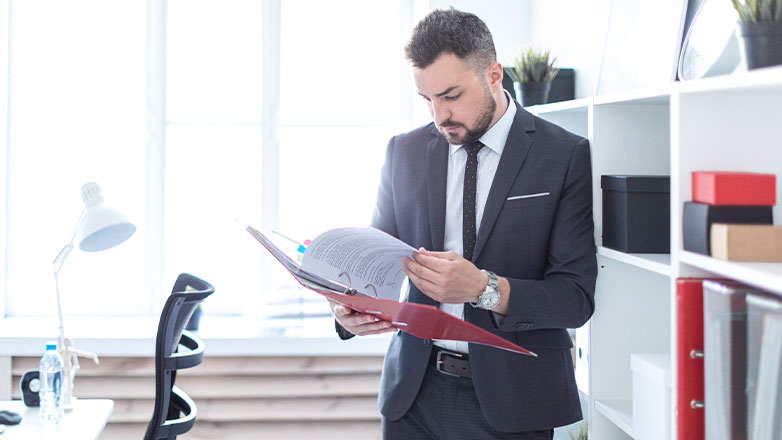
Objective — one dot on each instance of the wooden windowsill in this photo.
(135, 336)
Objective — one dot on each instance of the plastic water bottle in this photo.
(50, 370)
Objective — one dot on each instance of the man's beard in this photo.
(481, 126)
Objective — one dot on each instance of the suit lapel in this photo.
(516, 148)
(436, 175)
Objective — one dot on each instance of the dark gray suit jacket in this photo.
(544, 245)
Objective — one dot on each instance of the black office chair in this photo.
(175, 411)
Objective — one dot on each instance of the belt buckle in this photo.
(440, 362)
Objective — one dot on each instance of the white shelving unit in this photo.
(726, 123)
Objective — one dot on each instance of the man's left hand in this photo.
(446, 277)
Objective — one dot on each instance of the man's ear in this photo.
(495, 74)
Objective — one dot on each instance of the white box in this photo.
(651, 396)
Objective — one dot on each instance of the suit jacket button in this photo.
(520, 326)
(427, 342)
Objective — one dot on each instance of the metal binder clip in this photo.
(696, 404)
(696, 354)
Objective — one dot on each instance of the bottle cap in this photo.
(51, 345)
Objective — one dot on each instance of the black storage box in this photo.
(698, 218)
(636, 213)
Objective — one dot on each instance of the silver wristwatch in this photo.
(490, 296)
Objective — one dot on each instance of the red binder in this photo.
(734, 188)
(423, 321)
(420, 320)
(689, 337)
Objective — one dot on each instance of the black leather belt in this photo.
(450, 363)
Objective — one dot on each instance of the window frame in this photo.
(157, 123)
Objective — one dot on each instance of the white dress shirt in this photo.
(488, 160)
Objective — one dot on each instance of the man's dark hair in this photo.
(451, 31)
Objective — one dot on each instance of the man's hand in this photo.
(445, 276)
(360, 324)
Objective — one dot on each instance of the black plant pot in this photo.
(533, 93)
(762, 44)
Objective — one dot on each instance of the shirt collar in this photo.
(497, 135)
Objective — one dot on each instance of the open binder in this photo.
(420, 320)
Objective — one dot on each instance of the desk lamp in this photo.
(99, 227)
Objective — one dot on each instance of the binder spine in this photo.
(690, 393)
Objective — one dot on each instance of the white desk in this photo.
(85, 422)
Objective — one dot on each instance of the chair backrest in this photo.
(175, 412)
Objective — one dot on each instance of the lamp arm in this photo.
(66, 250)
(56, 266)
(70, 360)
(60, 258)
(59, 303)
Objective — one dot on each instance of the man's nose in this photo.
(440, 112)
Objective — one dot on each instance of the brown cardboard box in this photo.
(759, 243)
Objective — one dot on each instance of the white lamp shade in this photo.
(102, 227)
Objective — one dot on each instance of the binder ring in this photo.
(348, 290)
(374, 291)
(346, 276)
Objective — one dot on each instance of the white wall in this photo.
(574, 30)
(508, 21)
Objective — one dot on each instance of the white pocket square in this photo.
(529, 196)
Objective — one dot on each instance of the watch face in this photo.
(489, 300)
(491, 294)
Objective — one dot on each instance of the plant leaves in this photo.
(533, 65)
(765, 10)
(752, 6)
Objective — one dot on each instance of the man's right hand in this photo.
(360, 324)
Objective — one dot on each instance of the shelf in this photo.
(658, 263)
(766, 276)
(575, 105)
(655, 95)
(672, 129)
(619, 412)
(746, 81)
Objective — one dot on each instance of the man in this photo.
(522, 212)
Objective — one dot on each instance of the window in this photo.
(76, 114)
(87, 80)
(213, 146)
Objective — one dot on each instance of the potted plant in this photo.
(582, 433)
(760, 22)
(532, 74)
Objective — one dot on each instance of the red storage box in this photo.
(734, 188)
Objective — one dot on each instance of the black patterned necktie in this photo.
(468, 198)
